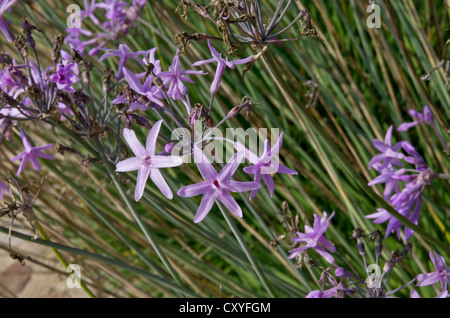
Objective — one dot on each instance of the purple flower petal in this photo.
(150, 144)
(237, 186)
(206, 169)
(134, 143)
(205, 206)
(142, 176)
(227, 199)
(428, 279)
(159, 181)
(231, 167)
(193, 190)
(129, 164)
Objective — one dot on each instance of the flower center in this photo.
(147, 161)
(216, 184)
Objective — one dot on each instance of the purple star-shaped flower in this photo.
(216, 185)
(389, 153)
(426, 117)
(31, 154)
(73, 39)
(175, 78)
(124, 53)
(264, 166)
(146, 89)
(147, 162)
(5, 5)
(442, 273)
(64, 77)
(88, 11)
(113, 8)
(314, 238)
(222, 64)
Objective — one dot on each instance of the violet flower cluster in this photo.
(119, 17)
(314, 237)
(60, 91)
(216, 185)
(404, 186)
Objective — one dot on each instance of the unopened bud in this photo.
(234, 111)
(169, 147)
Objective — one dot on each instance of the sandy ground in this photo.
(33, 280)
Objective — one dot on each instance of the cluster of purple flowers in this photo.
(149, 89)
(314, 237)
(390, 164)
(442, 275)
(119, 17)
(216, 185)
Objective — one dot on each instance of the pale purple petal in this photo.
(35, 163)
(414, 294)
(327, 256)
(204, 62)
(407, 126)
(276, 148)
(215, 85)
(25, 141)
(129, 164)
(251, 156)
(268, 180)
(166, 161)
(258, 181)
(150, 144)
(195, 189)
(19, 156)
(285, 170)
(242, 61)
(214, 52)
(205, 206)
(438, 261)
(206, 168)
(227, 199)
(238, 186)
(231, 167)
(134, 143)
(162, 185)
(23, 163)
(142, 176)
(428, 279)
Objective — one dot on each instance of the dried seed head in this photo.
(21, 45)
(4, 59)
(108, 74)
(58, 41)
(85, 71)
(27, 28)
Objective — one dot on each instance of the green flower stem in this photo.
(101, 258)
(246, 249)
(141, 224)
(346, 167)
(86, 145)
(61, 259)
(104, 219)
